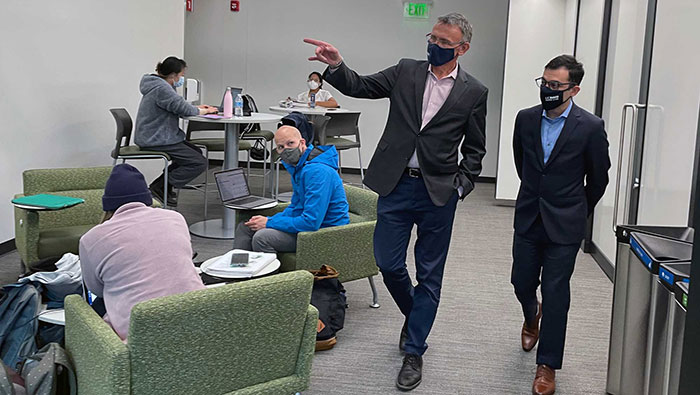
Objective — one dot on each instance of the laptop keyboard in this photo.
(246, 200)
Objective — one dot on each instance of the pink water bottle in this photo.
(228, 104)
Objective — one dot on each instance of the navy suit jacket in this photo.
(565, 189)
(461, 119)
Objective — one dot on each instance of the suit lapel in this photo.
(537, 131)
(458, 89)
(569, 126)
(420, 80)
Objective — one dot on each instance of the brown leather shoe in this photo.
(544, 381)
(531, 333)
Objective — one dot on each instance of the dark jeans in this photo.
(535, 254)
(407, 205)
(187, 162)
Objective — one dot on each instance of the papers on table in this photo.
(257, 261)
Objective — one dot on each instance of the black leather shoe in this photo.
(410, 374)
(157, 192)
(403, 337)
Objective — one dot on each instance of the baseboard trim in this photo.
(605, 265)
(486, 180)
(7, 246)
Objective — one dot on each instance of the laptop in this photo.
(234, 191)
(234, 92)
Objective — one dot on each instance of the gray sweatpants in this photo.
(187, 162)
(264, 240)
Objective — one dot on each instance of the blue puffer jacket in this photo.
(319, 198)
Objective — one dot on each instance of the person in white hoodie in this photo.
(157, 127)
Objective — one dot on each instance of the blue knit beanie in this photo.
(125, 185)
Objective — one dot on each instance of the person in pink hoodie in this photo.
(138, 252)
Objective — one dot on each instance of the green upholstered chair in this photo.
(251, 337)
(348, 248)
(41, 234)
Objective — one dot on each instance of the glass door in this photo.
(650, 108)
(672, 115)
(623, 74)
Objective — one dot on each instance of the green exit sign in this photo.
(416, 10)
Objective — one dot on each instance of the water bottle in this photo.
(238, 109)
(312, 100)
(228, 104)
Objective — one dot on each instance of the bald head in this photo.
(289, 137)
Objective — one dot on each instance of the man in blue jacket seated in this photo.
(318, 200)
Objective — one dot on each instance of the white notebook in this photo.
(257, 261)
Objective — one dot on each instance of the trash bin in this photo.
(675, 350)
(660, 324)
(622, 263)
(639, 253)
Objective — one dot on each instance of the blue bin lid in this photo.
(670, 273)
(653, 250)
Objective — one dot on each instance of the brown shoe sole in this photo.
(323, 345)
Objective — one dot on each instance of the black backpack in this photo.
(258, 151)
(328, 296)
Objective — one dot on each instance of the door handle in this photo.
(621, 150)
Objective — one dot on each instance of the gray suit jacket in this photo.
(461, 119)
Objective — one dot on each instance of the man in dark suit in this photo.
(435, 106)
(561, 155)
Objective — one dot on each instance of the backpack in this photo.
(19, 306)
(328, 296)
(258, 150)
(47, 372)
(50, 371)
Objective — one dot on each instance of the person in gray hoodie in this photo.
(157, 127)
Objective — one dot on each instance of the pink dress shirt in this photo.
(434, 96)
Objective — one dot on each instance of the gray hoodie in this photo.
(159, 112)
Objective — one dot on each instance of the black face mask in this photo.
(552, 99)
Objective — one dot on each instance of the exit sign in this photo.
(416, 10)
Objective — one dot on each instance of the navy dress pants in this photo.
(534, 254)
(407, 205)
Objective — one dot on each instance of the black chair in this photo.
(124, 150)
(339, 126)
(212, 144)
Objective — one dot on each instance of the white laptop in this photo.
(234, 191)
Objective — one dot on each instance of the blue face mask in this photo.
(179, 82)
(438, 56)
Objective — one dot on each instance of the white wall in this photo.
(260, 48)
(538, 30)
(64, 64)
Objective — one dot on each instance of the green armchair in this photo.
(252, 337)
(41, 234)
(348, 248)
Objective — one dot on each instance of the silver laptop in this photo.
(234, 191)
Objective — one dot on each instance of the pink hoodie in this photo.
(141, 253)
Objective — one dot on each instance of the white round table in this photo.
(275, 265)
(311, 111)
(224, 228)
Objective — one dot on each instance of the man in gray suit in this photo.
(435, 106)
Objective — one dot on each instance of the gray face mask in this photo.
(291, 155)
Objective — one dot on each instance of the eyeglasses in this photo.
(554, 85)
(441, 41)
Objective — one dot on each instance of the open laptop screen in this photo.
(234, 92)
(232, 184)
